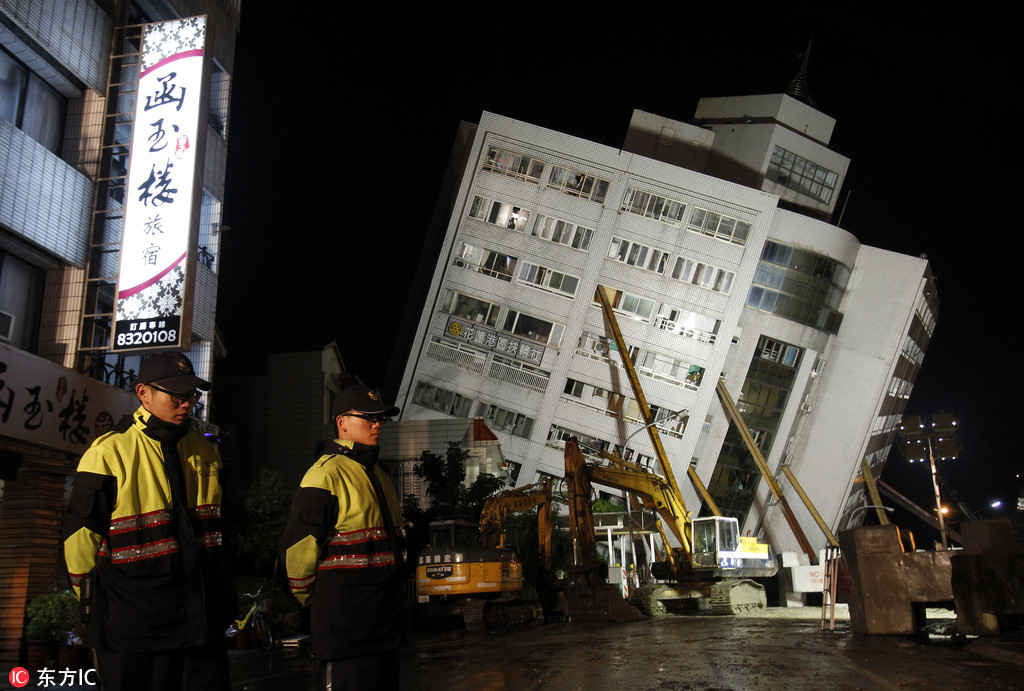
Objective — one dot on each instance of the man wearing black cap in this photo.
(342, 550)
(142, 541)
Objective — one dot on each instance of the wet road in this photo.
(706, 653)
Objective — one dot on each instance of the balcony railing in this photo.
(513, 373)
(457, 355)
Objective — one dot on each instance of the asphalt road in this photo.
(785, 650)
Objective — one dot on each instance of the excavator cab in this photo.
(455, 563)
(719, 550)
(459, 578)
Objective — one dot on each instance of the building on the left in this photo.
(68, 190)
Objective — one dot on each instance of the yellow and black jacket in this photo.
(342, 551)
(142, 531)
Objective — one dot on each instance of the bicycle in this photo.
(257, 621)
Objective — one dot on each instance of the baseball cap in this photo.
(172, 371)
(361, 399)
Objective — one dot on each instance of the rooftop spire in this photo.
(798, 87)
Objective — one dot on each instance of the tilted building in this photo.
(714, 241)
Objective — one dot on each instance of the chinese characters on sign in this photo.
(43, 403)
(153, 289)
(473, 333)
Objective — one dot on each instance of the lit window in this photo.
(718, 226)
(649, 205)
(473, 309)
(533, 328)
(633, 305)
(499, 213)
(514, 165)
(640, 256)
(563, 232)
(578, 184)
(548, 279)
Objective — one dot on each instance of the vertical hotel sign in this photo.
(164, 190)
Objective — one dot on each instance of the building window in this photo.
(640, 256)
(533, 328)
(704, 275)
(514, 165)
(504, 420)
(21, 302)
(578, 184)
(666, 367)
(473, 309)
(30, 104)
(499, 213)
(558, 435)
(777, 351)
(548, 279)
(663, 209)
(797, 173)
(718, 226)
(633, 305)
(687, 323)
(487, 262)
(799, 285)
(649, 363)
(442, 400)
(563, 232)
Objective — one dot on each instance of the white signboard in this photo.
(162, 197)
(46, 404)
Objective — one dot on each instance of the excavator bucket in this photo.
(589, 599)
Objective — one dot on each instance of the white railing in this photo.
(457, 355)
(534, 380)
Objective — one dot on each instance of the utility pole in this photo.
(924, 440)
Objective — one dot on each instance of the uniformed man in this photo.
(342, 550)
(142, 541)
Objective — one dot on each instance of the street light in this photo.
(926, 441)
(870, 506)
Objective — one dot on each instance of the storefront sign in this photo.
(43, 403)
(164, 190)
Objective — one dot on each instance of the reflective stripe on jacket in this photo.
(155, 565)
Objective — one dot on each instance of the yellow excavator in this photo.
(467, 573)
(713, 566)
(711, 570)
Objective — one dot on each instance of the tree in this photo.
(266, 505)
(444, 476)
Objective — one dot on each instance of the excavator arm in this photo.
(498, 508)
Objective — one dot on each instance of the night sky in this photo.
(342, 122)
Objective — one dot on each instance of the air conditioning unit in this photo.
(6, 326)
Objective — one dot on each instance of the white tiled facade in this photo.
(510, 330)
(54, 61)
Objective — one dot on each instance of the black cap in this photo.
(172, 371)
(361, 399)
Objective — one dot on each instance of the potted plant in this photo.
(54, 625)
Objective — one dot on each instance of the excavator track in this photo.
(737, 596)
(482, 614)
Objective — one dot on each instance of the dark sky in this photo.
(342, 121)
